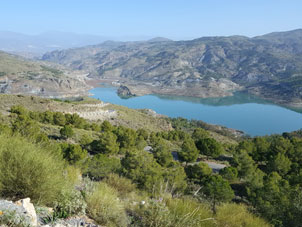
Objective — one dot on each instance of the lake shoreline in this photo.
(253, 116)
(141, 90)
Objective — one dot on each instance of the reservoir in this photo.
(244, 112)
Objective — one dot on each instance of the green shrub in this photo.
(11, 218)
(174, 178)
(73, 153)
(59, 119)
(101, 166)
(46, 215)
(26, 127)
(174, 213)
(126, 137)
(104, 206)
(229, 173)
(66, 132)
(27, 170)
(217, 190)
(152, 214)
(142, 169)
(107, 144)
(189, 152)
(5, 129)
(209, 147)
(70, 202)
(187, 212)
(198, 171)
(75, 120)
(47, 117)
(106, 126)
(122, 185)
(19, 110)
(236, 216)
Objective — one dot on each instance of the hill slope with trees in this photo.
(120, 176)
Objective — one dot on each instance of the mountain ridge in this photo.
(269, 66)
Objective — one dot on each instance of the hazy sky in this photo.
(177, 19)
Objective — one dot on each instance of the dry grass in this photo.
(138, 119)
(127, 117)
(104, 206)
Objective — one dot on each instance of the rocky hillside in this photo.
(21, 76)
(269, 65)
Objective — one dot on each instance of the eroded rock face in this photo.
(46, 87)
(22, 76)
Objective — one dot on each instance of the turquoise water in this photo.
(250, 114)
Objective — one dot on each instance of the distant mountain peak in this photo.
(159, 39)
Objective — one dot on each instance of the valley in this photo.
(268, 66)
(151, 113)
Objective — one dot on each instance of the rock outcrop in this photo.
(124, 91)
(23, 213)
(29, 210)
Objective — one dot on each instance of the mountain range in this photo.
(269, 66)
(33, 46)
(36, 45)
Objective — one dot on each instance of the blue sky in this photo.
(177, 19)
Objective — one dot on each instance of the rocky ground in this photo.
(93, 111)
(23, 76)
(23, 213)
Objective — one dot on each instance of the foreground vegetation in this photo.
(120, 176)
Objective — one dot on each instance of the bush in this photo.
(217, 190)
(104, 206)
(107, 144)
(189, 152)
(237, 215)
(26, 170)
(174, 178)
(66, 131)
(187, 212)
(153, 214)
(19, 110)
(209, 147)
(229, 173)
(101, 166)
(122, 185)
(59, 119)
(73, 153)
(142, 169)
(174, 213)
(11, 218)
(198, 171)
(70, 202)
